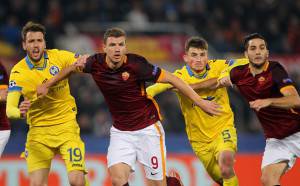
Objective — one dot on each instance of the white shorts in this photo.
(4, 136)
(146, 146)
(279, 150)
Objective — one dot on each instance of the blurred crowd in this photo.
(222, 23)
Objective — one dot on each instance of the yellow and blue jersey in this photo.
(199, 125)
(58, 106)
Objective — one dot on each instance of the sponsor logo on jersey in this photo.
(125, 76)
(54, 70)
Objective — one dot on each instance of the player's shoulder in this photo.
(181, 72)
(275, 65)
(133, 58)
(20, 65)
(61, 53)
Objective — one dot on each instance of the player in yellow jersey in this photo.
(52, 119)
(213, 138)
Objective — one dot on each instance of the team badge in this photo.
(12, 83)
(261, 79)
(125, 76)
(54, 70)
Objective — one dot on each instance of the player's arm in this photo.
(158, 88)
(208, 106)
(3, 93)
(13, 111)
(289, 100)
(43, 89)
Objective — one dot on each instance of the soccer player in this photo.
(213, 138)
(52, 119)
(271, 93)
(4, 123)
(137, 134)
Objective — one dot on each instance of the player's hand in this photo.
(210, 107)
(24, 107)
(225, 82)
(3, 95)
(260, 103)
(42, 90)
(81, 61)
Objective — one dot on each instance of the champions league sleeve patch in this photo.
(287, 80)
(53, 70)
(155, 69)
(76, 55)
(230, 62)
(12, 84)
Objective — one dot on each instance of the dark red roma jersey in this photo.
(276, 122)
(4, 123)
(124, 90)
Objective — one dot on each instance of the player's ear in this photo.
(267, 53)
(246, 54)
(23, 45)
(185, 58)
(104, 47)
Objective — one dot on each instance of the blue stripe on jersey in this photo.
(14, 88)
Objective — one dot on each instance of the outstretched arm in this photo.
(42, 90)
(207, 106)
(289, 100)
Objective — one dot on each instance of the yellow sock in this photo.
(231, 181)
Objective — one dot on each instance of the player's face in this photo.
(196, 58)
(257, 53)
(34, 45)
(115, 49)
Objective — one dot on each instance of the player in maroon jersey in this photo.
(4, 123)
(271, 93)
(137, 134)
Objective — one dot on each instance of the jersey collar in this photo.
(31, 65)
(202, 76)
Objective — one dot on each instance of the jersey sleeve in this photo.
(281, 77)
(68, 58)
(90, 62)
(15, 81)
(3, 78)
(230, 64)
(146, 71)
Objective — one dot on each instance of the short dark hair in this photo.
(250, 37)
(113, 32)
(196, 42)
(32, 27)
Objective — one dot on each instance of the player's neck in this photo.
(258, 69)
(112, 64)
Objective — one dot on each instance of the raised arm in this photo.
(207, 106)
(42, 90)
(289, 100)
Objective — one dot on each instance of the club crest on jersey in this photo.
(261, 79)
(54, 70)
(125, 76)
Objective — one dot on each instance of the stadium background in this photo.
(156, 29)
